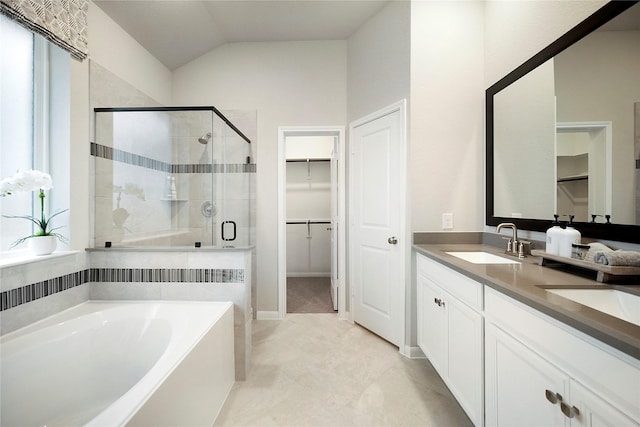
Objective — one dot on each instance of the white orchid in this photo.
(29, 180)
(32, 180)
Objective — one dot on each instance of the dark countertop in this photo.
(523, 282)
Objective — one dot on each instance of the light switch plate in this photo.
(447, 221)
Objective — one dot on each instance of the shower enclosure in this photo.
(171, 177)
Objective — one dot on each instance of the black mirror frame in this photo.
(617, 232)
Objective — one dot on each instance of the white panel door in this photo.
(378, 291)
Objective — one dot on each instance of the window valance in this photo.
(63, 22)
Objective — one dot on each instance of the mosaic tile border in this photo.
(110, 153)
(34, 291)
(149, 275)
(19, 296)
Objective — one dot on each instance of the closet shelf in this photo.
(309, 221)
(307, 160)
(569, 178)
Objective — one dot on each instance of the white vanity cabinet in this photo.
(520, 385)
(450, 331)
(539, 372)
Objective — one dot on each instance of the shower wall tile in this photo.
(104, 129)
(26, 314)
(217, 259)
(108, 90)
(44, 268)
(103, 177)
(237, 186)
(138, 259)
(58, 276)
(104, 228)
(143, 133)
(125, 291)
(233, 292)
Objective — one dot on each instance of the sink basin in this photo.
(616, 303)
(480, 257)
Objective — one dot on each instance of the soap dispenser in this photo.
(554, 235)
(569, 236)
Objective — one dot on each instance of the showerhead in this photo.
(204, 139)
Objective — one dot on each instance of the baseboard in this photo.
(267, 315)
(413, 352)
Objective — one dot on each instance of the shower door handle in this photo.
(234, 231)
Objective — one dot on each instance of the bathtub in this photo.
(119, 363)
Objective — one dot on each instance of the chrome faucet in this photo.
(512, 244)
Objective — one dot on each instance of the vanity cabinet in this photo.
(520, 385)
(539, 372)
(450, 331)
(594, 411)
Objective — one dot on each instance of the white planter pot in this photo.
(42, 245)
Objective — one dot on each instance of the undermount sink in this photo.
(622, 305)
(479, 257)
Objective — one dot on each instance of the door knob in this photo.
(392, 240)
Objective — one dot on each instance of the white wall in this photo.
(289, 84)
(117, 51)
(447, 122)
(514, 31)
(378, 61)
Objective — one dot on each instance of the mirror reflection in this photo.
(567, 134)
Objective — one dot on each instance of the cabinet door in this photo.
(431, 328)
(593, 411)
(465, 357)
(520, 385)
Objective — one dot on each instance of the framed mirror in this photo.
(563, 131)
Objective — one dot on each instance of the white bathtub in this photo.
(119, 363)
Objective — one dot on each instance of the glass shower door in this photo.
(236, 189)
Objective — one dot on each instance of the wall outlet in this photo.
(447, 221)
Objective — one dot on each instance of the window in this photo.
(32, 73)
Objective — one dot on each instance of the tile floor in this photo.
(315, 370)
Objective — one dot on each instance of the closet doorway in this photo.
(311, 225)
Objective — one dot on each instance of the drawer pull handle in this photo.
(438, 302)
(553, 397)
(569, 411)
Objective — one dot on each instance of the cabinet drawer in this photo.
(465, 289)
(614, 375)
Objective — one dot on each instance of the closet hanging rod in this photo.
(307, 160)
(309, 222)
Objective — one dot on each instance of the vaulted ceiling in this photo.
(176, 32)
